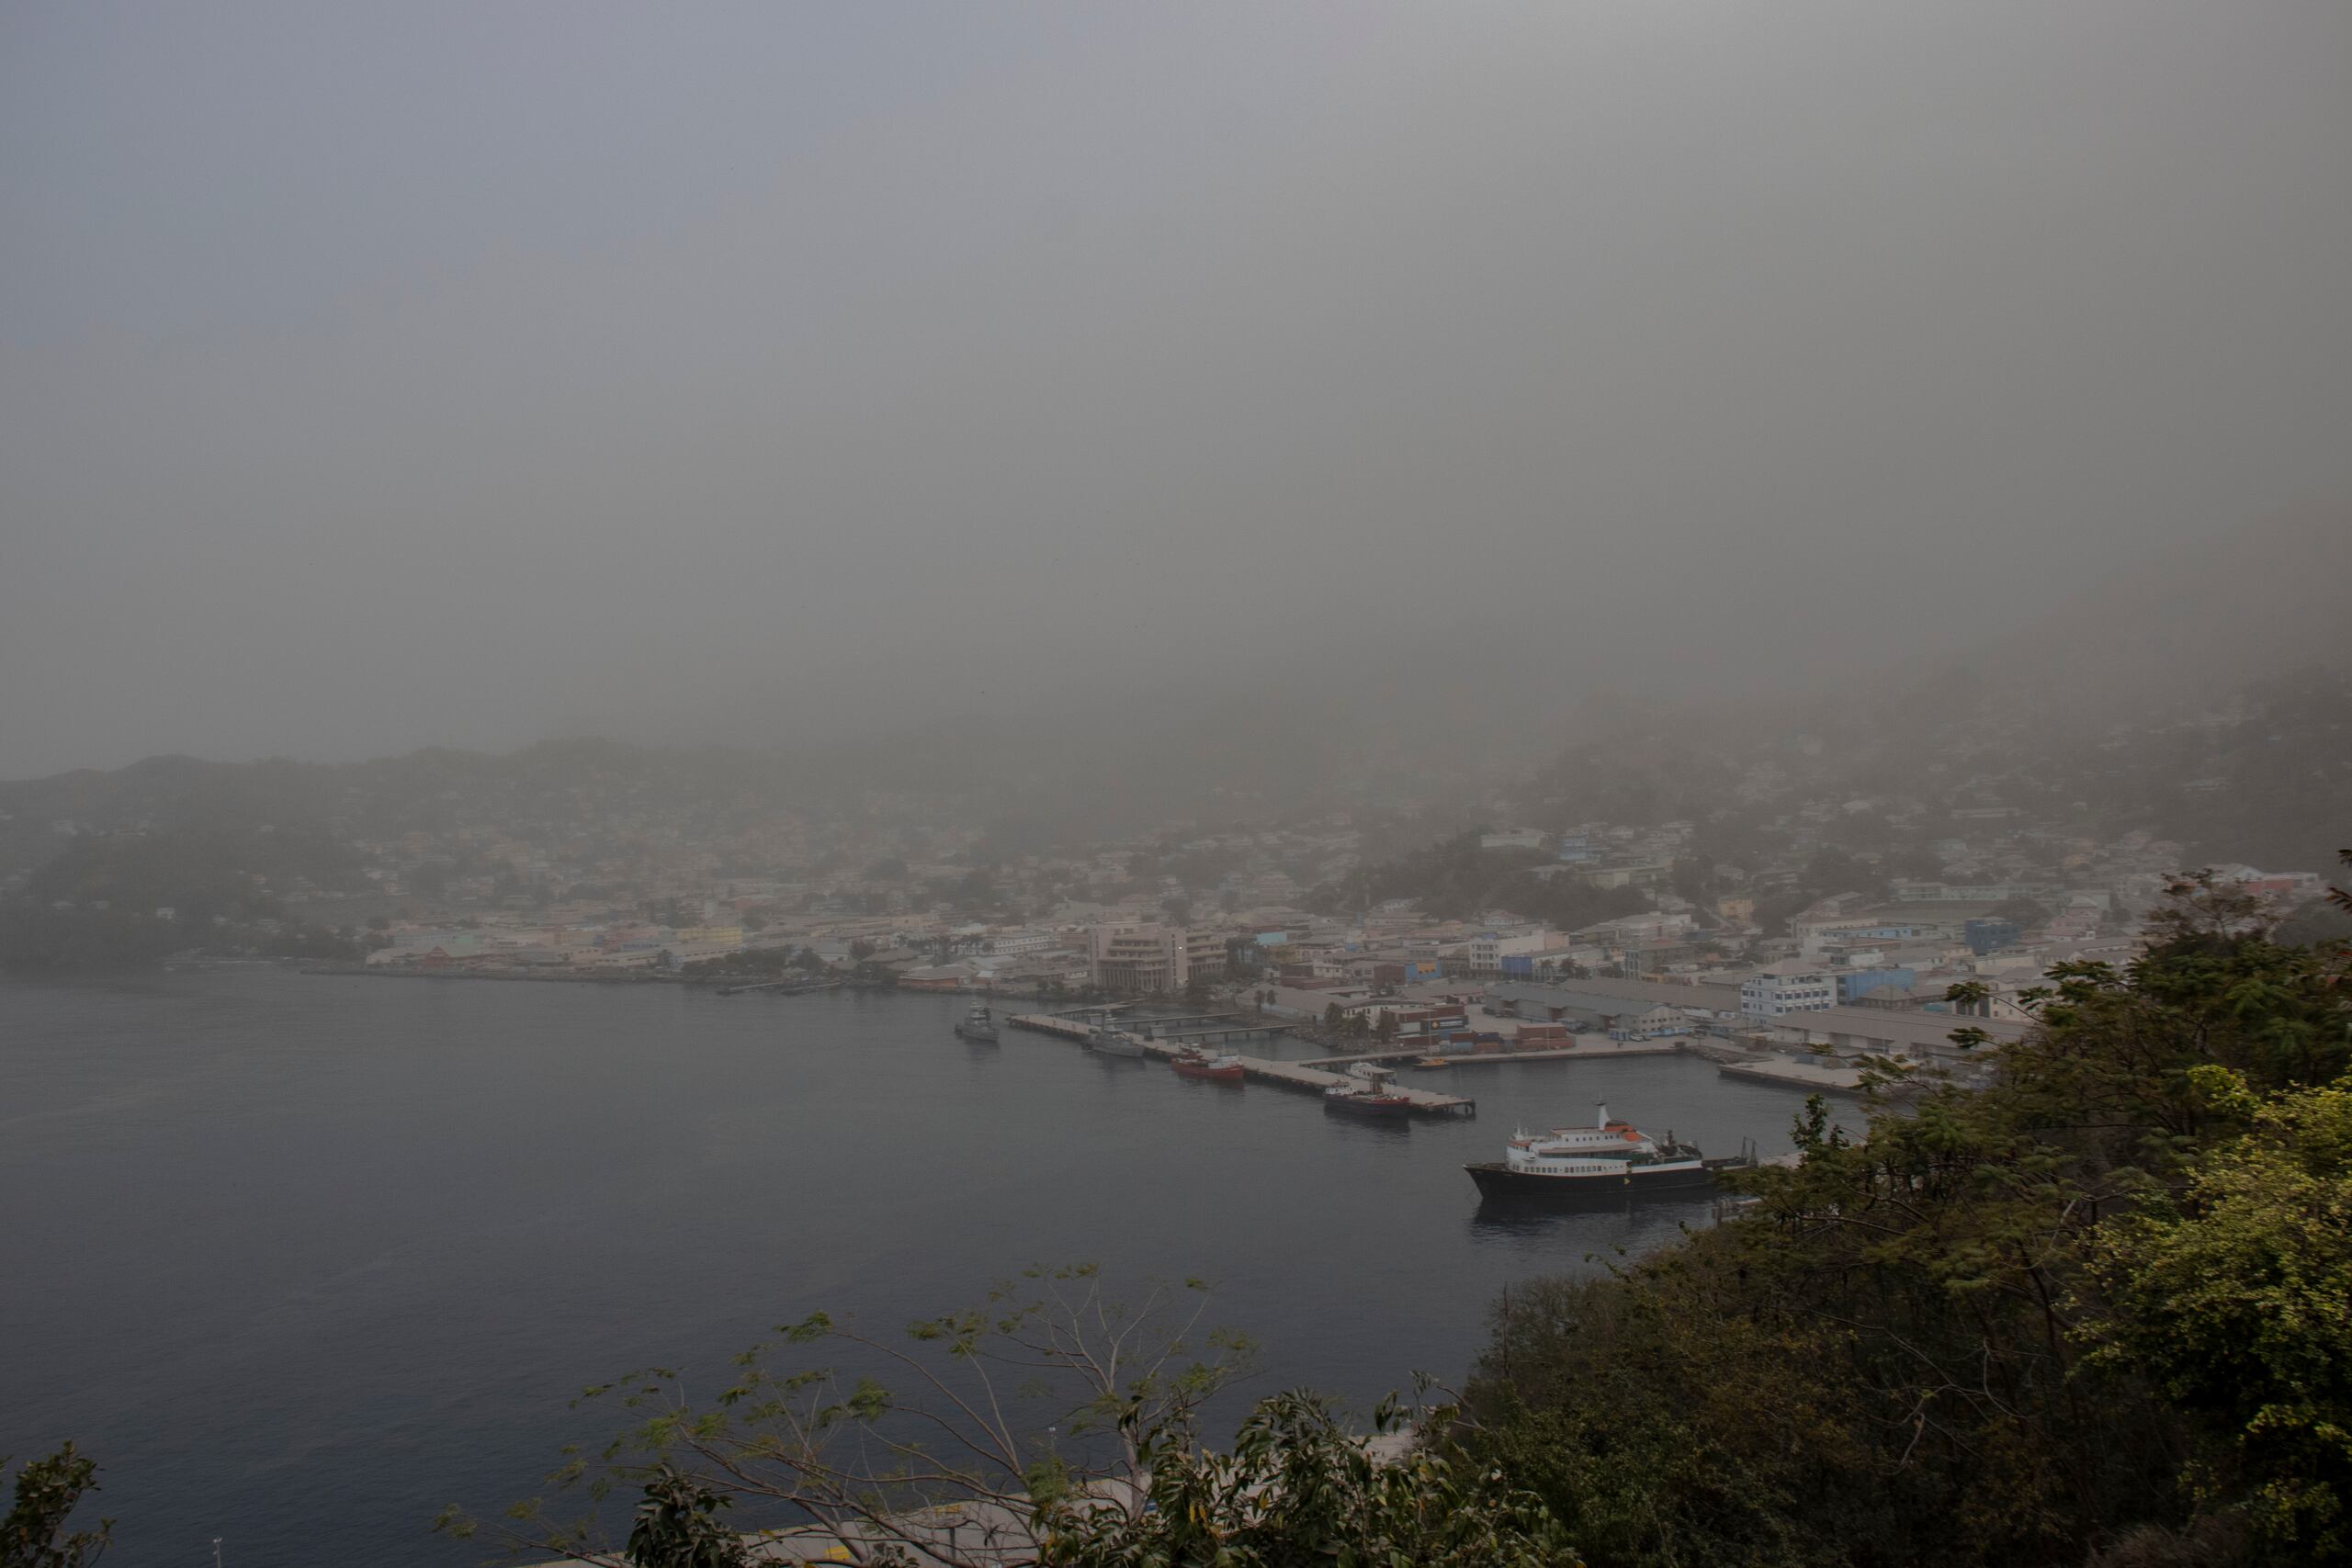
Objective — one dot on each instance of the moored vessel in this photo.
(978, 1025)
(1106, 1041)
(1194, 1063)
(1365, 1093)
(1608, 1159)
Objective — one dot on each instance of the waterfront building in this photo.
(1785, 989)
(1486, 952)
(1855, 984)
(1128, 960)
(1204, 955)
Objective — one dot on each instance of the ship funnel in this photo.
(1600, 1114)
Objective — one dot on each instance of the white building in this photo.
(1778, 992)
(1127, 959)
(1488, 950)
(1007, 943)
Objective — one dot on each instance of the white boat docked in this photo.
(1609, 1158)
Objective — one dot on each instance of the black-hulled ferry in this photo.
(1608, 1159)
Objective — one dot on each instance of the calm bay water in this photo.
(302, 1259)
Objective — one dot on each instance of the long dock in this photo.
(1292, 1074)
(1051, 1024)
(1199, 1028)
(1796, 1075)
(1258, 1069)
(1590, 1050)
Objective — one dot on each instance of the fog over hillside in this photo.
(1303, 384)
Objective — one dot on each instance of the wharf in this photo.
(1293, 1075)
(1051, 1024)
(1282, 1074)
(1200, 1027)
(1192, 1029)
(1591, 1050)
(1796, 1075)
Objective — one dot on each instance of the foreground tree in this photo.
(2100, 1302)
(1299, 1488)
(1050, 1427)
(2235, 1297)
(48, 1490)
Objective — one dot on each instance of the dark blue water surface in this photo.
(302, 1259)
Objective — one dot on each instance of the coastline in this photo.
(694, 982)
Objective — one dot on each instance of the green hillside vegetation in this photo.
(102, 902)
(2100, 1312)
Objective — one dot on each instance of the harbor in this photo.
(1167, 1038)
(1588, 1047)
(1297, 1076)
(472, 1095)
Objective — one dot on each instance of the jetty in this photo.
(1795, 1075)
(1594, 1049)
(781, 987)
(1200, 1028)
(1294, 1075)
(1257, 1070)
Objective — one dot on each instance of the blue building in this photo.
(1862, 982)
(1990, 936)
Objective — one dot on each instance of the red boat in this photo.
(1365, 1092)
(1196, 1064)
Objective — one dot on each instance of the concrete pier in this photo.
(1258, 1069)
(1593, 1048)
(1796, 1075)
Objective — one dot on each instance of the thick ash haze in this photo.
(378, 377)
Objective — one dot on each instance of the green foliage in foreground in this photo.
(2235, 1298)
(1299, 1488)
(679, 1524)
(48, 1490)
(1051, 1426)
(2097, 1313)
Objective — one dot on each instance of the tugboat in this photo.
(1609, 1160)
(978, 1025)
(1365, 1093)
(1194, 1063)
(1106, 1041)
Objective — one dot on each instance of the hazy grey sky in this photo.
(373, 376)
